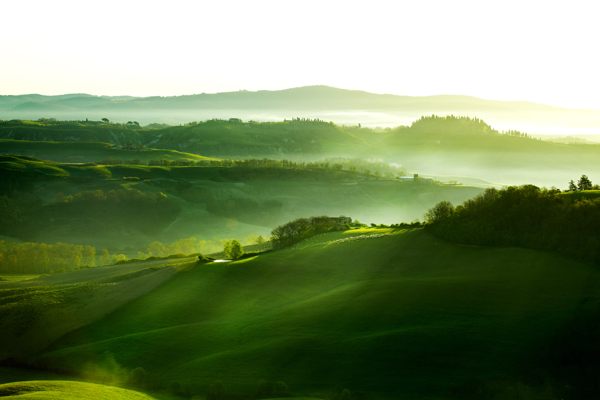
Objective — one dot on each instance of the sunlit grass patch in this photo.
(18, 277)
(67, 390)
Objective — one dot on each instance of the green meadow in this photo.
(68, 390)
(207, 202)
(82, 152)
(403, 316)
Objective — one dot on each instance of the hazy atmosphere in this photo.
(310, 200)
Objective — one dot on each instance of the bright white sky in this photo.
(541, 51)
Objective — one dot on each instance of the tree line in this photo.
(524, 216)
(338, 164)
(294, 231)
(449, 123)
(192, 246)
(42, 258)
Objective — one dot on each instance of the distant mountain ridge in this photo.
(305, 97)
(339, 105)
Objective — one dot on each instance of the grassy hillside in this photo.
(81, 152)
(224, 202)
(35, 312)
(433, 145)
(400, 316)
(67, 390)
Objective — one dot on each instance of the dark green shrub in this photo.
(127, 261)
(178, 255)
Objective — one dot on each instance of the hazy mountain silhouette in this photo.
(309, 101)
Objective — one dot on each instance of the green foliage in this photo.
(523, 216)
(202, 258)
(456, 314)
(233, 249)
(584, 183)
(451, 123)
(227, 249)
(440, 211)
(29, 258)
(572, 186)
(299, 229)
(178, 255)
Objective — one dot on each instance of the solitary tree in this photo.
(105, 120)
(236, 250)
(584, 183)
(227, 249)
(572, 186)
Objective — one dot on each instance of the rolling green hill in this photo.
(82, 152)
(433, 145)
(67, 390)
(402, 316)
(203, 201)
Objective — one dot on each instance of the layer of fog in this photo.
(534, 124)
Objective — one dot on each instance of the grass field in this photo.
(586, 194)
(81, 152)
(401, 316)
(18, 277)
(67, 390)
(194, 188)
(36, 312)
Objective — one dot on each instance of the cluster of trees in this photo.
(193, 246)
(524, 216)
(41, 258)
(512, 132)
(584, 183)
(366, 167)
(338, 164)
(53, 122)
(450, 123)
(299, 229)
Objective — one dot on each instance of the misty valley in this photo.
(255, 255)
